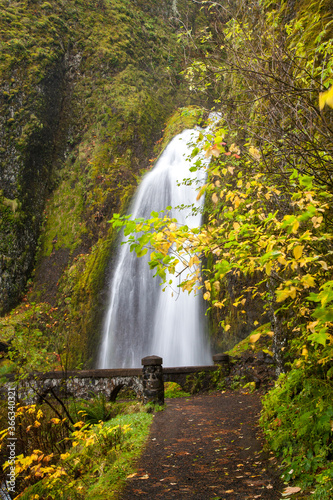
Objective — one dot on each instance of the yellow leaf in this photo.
(227, 327)
(234, 149)
(215, 198)
(254, 153)
(255, 337)
(295, 226)
(159, 236)
(282, 260)
(322, 100)
(79, 424)
(213, 151)
(216, 286)
(282, 295)
(326, 98)
(206, 296)
(297, 251)
(329, 97)
(201, 192)
(312, 326)
(291, 490)
(268, 268)
(237, 202)
(316, 221)
(236, 226)
(208, 286)
(308, 281)
(55, 420)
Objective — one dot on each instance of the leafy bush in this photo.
(96, 410)
(298, 422)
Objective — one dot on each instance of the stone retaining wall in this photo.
(147, 383)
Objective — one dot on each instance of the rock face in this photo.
(28, 146)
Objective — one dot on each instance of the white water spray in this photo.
(142, 319)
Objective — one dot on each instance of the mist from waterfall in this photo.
(141, 319)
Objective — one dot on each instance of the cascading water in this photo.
(142, 319)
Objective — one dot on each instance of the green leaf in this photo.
(321, 337)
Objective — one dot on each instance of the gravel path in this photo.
(206, 447)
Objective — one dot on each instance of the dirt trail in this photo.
(206, 448)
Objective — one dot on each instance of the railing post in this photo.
(223, 361)
(153, 385)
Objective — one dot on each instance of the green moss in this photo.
(63, 216)
(184, 118)
(263, 343)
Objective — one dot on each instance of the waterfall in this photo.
(141, 319)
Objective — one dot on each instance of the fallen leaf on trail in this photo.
(256, 483)
(291, 490)
(131, 475)
(144, 477)
(229, 491)
(269, 487)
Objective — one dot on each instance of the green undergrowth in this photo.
(75, 449)
(174, 390)
(99, 461)
(297, 418)
(29, 334)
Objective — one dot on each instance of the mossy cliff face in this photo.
(86, 87)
